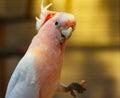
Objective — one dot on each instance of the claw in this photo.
(78, 87)
(73, 93)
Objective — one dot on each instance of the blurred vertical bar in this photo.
(29, 8)
(2, 61)
(68, 5)
(113, 9)
(114, 12)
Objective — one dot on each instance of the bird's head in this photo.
(61, 24)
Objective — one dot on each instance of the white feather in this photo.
(22, 83)
(38, 23)
(44, 12)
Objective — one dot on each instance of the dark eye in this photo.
(57, 24)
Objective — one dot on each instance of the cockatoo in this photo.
(37, 75)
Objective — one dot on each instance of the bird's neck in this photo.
(44, 43)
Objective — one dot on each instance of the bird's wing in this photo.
(22, 83)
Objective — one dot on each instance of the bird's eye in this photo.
(57, 24)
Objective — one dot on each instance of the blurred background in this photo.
(92, 53)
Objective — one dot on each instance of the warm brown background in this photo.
(93, 52)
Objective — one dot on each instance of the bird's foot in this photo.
(78, 87)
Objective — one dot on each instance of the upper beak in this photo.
(65, 34)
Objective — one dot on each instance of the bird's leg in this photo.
(78, 87)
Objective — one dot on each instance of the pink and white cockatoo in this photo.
(37, 75)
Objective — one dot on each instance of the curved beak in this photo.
(65, 34)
